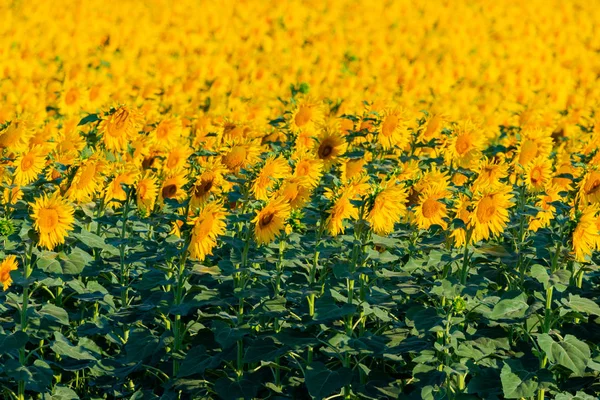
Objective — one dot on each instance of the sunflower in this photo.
(86, 182)
(434, 123)
(490, 212)
(52, 219)
(240, 155)
(538, 174)
(208, 226)
(461, 212)
(295, 192)
(167, 135)
(535, 142)
(7, 265)
(585, 236)
(177, 159)
(430, 210)
(306, 115)
(146, 192)
(309, 171)
(119, 127)
(589, 188)
(547, 210)
(341, 210)
(275, 168)
(114, 191)
(172, 188)
(464, 146)
(210, 181)
(387, 208)
(490, 174)
(392, 129)
(329, 147)
(28, 166)
(351, 169)
(271, 220)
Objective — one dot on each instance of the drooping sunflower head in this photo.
(208, 226)
(341, 210)
(52, 219)
(269, 221)
(114, 191)
(6, 266)
(490, 173)
(434, 123)
(88, 180)
(589, 188)
(240, 155)
(535, 142)
(387, 208)
(585, 237)
(392, 129)
(146, 193)
(461, 212)
(352, 169)
(307, 114)
(275, 168)
(119, 127)
(308, 170)
(295, 192)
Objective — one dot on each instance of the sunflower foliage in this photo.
(268, 199)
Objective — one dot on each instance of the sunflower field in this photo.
(259, 199)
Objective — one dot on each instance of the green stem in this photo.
(28, 268)
(465, 265)
(123, 270)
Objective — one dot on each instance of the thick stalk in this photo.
(28, 268)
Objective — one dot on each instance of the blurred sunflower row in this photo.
(452, 117)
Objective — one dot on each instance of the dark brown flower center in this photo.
(168, 192)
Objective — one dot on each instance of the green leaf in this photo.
(63, 347)
(90, 239)
(88, 119)
(13, 341)
(571, 352)
(517, 381)
(511, 307)
(228, 388)
(54, 314)
(61, 393)
(322, 381)
(581, 305)
(540, 273)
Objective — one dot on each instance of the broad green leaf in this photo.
(512, 307)
(322, 381)
(12, 342)
(571, 352)
(582, 305)
(517, 381)
(63, 347)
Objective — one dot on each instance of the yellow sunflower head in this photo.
(208, 226)
(269, 221)
(490, 212)
(387, 208)
(6, 266)
(29, 165)
(52, 219)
